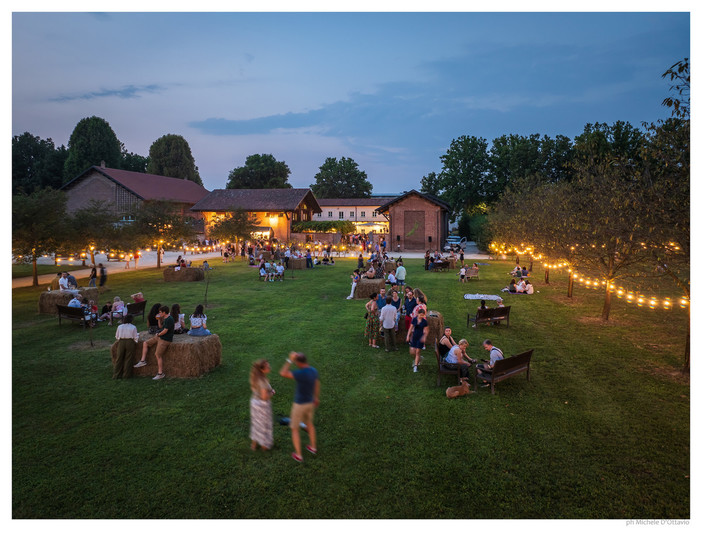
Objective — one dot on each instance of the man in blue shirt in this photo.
(305, 401)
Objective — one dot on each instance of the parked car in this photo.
(455, 242)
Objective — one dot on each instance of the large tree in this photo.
(133, 162)
(341, 179)
(170, 155)
(36, 163)
(465, 179)
(260, 172)
(429, 184)
(39, 225)
(91, 142)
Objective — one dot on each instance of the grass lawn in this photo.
(25, 270)
(602, 431)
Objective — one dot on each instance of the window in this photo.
(352, 214)
(319, 214)
(330, 214)
(363, 214)
(341, 215)
(375, 214)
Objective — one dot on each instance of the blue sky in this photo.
(390, 90)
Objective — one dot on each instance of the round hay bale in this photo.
(186, 357)
(436, 327)
(49, 299)
(366, 287)
(266, 255)
(183, 274)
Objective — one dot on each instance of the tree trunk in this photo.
(686, 359)
(517, 260)
(607, 304)
(531, 263)
(571, 280)
(92, 257)
(546, 277)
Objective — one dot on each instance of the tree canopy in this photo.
(341, 179)
(36, 163)
(260, 172)
(170, 156)
(91, 142)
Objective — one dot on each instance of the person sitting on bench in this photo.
(454, 358)
(495, 355)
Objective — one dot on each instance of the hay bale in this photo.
(389, 266)
(366, 287)
(297, 263)
(49, 299)
(183, 274)
(186, 357)
(436, 327)
(267, 255)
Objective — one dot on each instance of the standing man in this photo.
(127, 338)
(103, 275)
(162, 340)
(287, 257)
(388, 317)
(400, 274)
(305, 401)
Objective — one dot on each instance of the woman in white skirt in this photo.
(261, 432)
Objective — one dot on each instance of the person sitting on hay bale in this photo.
(178, 319)
(152, 319)
(198, 323)
(161, 340)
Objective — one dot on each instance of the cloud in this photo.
(126, 92)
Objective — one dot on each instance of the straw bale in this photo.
(366, 287)
(267, 255)
(436, 327)
(184, 274)
(297, 263)
(186, 357)
(49, 299)
(389, 266)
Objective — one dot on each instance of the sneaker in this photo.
(159, 376)
(414, 369)
(296, 457)
(309, 448)
(140, 364)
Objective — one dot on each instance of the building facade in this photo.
(362, 212)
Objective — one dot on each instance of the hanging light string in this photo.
(631, 296)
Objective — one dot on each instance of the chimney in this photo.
(102, 164)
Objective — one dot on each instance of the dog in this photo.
(457, 391)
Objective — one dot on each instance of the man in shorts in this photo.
(305, 401)
(162, 340)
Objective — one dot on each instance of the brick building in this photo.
(125, 191)
(417, 221)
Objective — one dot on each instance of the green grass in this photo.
(25, 270)
(601, 431)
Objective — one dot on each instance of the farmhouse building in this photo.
(417, 221)
(275, 209)
(362, 212)
(124, 191)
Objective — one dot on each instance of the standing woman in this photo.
(417, 336)
(372, 321)
(93, 276)
(198, 323)
(261, 432)
(355, 277)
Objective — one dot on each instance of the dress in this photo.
(418, 332)
(372, 325)
(261, 430)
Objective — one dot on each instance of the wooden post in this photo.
(570, 284)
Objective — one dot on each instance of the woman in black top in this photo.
(446, 342)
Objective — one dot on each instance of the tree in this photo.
(158, 223)
(341, 179)
(38, 225)
(679, 74)
(91, 142)
(236, 225)
(260, 172)
(133, 162)
(429, 184)
(36, 163)
(465, 179)
(93, 227)
(170, 156)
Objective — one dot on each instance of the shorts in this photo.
(301, 413)
(161, 345)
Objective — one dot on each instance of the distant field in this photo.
(602, 431)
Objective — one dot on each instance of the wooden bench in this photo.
(505, 368)
(76, 314)
(491, 315)
(442, 368)
(137, 309)
(472, 273)
(440, 265)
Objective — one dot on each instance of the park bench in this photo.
(472, 272)
(440, 265)
(76, 314)
(491, 315)
(506, 368)
(137, 309)
(443, 368)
